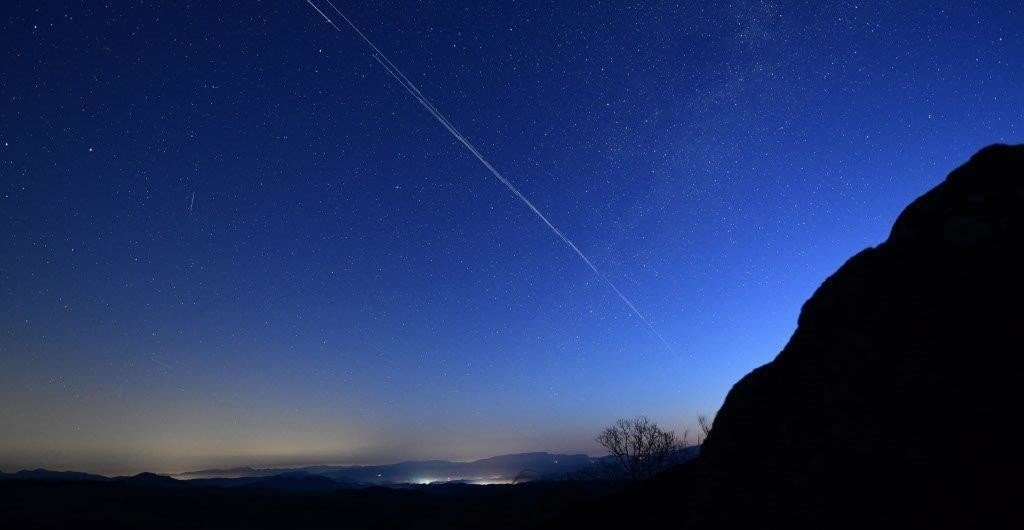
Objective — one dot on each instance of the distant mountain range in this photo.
(498, 469)
(504, 469)
(46, 474)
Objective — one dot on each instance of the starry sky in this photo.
(230, 237)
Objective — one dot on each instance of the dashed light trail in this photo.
(411, 88)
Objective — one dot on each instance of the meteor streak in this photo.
(411, 88)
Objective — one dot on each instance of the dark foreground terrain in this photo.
(896, 403)
(76, 504)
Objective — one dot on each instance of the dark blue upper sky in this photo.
(230, 237)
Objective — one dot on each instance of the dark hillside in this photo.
(896, 399)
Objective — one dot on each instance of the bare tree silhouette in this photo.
(705, 428)
(639, 448)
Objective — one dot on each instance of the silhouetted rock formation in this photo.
(896, 399)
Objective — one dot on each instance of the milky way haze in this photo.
(231, 238)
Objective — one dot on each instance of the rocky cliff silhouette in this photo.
(895, 403)
(897, 398)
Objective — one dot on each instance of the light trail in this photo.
(411, 88)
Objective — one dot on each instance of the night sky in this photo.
(230, 237)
